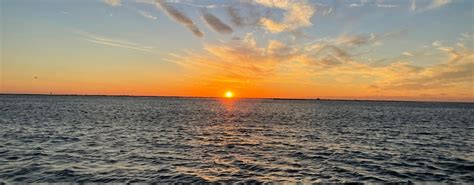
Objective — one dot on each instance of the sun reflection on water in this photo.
(228, 103)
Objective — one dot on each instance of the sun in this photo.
(229, 94)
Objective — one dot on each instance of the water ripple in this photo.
(140, 139)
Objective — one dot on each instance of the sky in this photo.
(338, 49)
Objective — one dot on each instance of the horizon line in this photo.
(216, 97)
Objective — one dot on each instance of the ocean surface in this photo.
(155, 139)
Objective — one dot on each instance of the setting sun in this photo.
(229, 94)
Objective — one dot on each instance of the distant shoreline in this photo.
(210, 97)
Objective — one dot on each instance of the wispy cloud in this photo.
(240, 61)
(408, 54)
(216, 24)
(280, 16)
(388, 5)
(456, 72)
(355, 5)
(113, 2)
(112, 42)
(237, 61)
(235, 16)
(434, 4)
(379, 3)
(179, 17)
(344, 59)
(436, 43)
(413, 5)
(298, 14)
(438, 3)
(247, 14)
(331, 61)
(146, 15)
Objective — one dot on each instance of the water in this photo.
(151, 139)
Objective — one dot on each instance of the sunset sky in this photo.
(350, 49)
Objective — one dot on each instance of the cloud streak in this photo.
(216, 24)
(438, 3)
(434, 4)
(113, 2)
(112, 42)
(146, 15)
(179, 17)
(235, 17)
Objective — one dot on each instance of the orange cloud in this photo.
(325, 69)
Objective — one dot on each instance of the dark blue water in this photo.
(150, 139)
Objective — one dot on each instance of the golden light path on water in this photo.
(226, 145)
